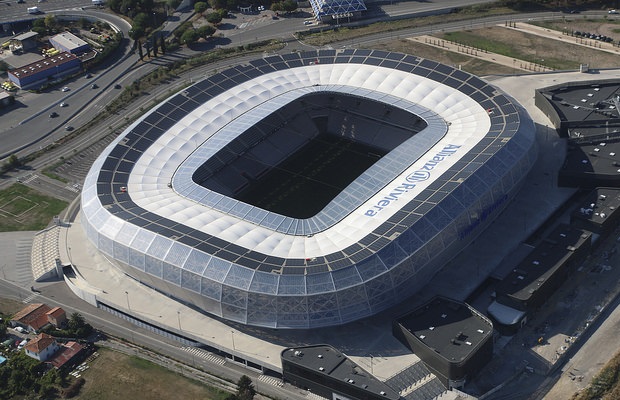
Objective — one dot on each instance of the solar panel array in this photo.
(250, 287)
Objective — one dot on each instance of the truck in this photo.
(33, 10)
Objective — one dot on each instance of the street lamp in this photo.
(127, 295)
(179, 319)
(232, 336)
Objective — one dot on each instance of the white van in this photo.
(33, 10)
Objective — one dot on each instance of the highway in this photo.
(28, 127)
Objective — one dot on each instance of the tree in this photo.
(38, 23)
(154, 40)
(245, 388)
(136, 32)
(162, 44)
(189, 36)
(76, 321)
(218, 4)
(214, 18)
(173, 3)
(14, 161)
(78, 326)
(50, 22)
(289, 5)
(200, 7)
(205, 31)
(140, 53)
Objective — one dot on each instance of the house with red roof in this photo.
(42, 347)
(57, 316)
(68, 356)
(35, 317)
(32, 318)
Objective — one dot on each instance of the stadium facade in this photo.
(163, 200)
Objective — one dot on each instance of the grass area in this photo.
(517, 45)
(25, 209)
(10, 307)
(116, 376)
(457, 60)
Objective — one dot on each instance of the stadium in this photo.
(308, 189)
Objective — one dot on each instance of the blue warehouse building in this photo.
(39, 73)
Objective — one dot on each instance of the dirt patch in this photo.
(10, 307)
(520, 45)
(113, 375)
(600, 27)
(457, 60)
(537, 49)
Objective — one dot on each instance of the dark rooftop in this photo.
(42, 65)
(598, 206)
(542, 262)
(453, 329)
(331, 362)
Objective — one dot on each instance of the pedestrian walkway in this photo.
(204, 354)
(30, 298)
(271, 380)
(45, 252)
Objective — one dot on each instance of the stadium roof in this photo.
(141, 206)
(215, 122)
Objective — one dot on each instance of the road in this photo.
(29, 127)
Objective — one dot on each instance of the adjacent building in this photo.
(35, 317)
(538, 276)
(598, 212)
(42, 347)
(324, 371)
(337, 11)
(68, 42)
(40, 73)
(453, 339)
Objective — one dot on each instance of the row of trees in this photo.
(22, 375)
(152, 44)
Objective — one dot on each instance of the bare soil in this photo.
(10, 307)
(524, 46)
(114, 375)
